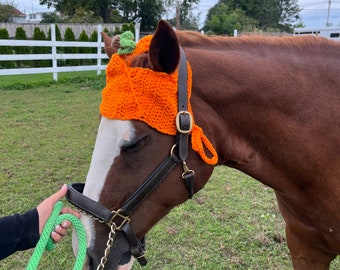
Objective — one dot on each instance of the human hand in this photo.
(45, 209)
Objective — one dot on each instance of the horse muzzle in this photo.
(118, 256)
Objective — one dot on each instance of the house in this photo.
(16, 16)
(35, 17)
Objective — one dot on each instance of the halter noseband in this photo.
(119, 219)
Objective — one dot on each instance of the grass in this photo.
(47, 136)
(28, 81)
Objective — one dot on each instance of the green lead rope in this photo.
(46, 242)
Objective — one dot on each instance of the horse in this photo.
(267, 106)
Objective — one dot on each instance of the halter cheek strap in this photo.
(184, 124)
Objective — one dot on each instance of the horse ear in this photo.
(111, 44)
(164, 49)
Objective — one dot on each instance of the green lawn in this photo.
(47, 136)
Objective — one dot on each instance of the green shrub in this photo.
(94, 38)
(57, 33)
(6, 50)
(128, 27)
(20, 34)
(84, 38)
(69, 36)
(117, 31)
(40, 35)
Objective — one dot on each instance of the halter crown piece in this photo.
(135, 93)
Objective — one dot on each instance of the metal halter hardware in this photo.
(184, 123)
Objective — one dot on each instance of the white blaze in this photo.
(111, 134)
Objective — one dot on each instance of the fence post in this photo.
(99, 49)
(54, 53)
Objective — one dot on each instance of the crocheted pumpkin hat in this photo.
(135, 93)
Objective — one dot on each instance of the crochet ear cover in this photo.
(135, 93)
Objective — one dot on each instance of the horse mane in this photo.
(191, 39)
(296, 44)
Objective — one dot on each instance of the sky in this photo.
(313, 14)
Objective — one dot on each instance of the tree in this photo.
(185, 18)
(122, 11)
(151, 12)
(52, 17)
(224, 20)
(115, 17)
(126, 8)
(84, 16)
(289, 10)
(267, 13)
(68, 8)
(102, 8)
(6, 10)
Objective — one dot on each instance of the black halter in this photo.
(120, 217)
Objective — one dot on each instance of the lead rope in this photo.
(46, 242)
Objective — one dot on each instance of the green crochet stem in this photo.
(127, 44)
(46, 242)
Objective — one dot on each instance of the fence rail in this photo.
(54, 55)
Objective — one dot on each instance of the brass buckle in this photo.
(178, 123)
(125, 219)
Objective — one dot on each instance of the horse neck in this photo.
(245, 102)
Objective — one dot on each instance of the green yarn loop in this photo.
(46, 242)
(127, 43)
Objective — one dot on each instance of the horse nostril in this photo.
(125, 258)
(91, 264)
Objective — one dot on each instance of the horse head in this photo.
(138, 138)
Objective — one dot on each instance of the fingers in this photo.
(56, 237)
(46, 206)
(60, 231)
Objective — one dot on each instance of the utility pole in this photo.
(178, 15)
(329, 9)
(137, 22)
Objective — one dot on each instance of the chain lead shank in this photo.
(109, 244)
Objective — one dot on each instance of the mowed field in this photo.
(47, 135)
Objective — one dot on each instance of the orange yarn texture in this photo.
(134, 93)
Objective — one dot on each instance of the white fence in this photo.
(77, 28)
(54, 56)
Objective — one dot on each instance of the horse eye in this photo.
(134, 145)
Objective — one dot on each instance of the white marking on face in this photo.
(111, 134)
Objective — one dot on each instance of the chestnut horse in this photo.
(270, 107)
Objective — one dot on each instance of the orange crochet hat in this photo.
(135, 93)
